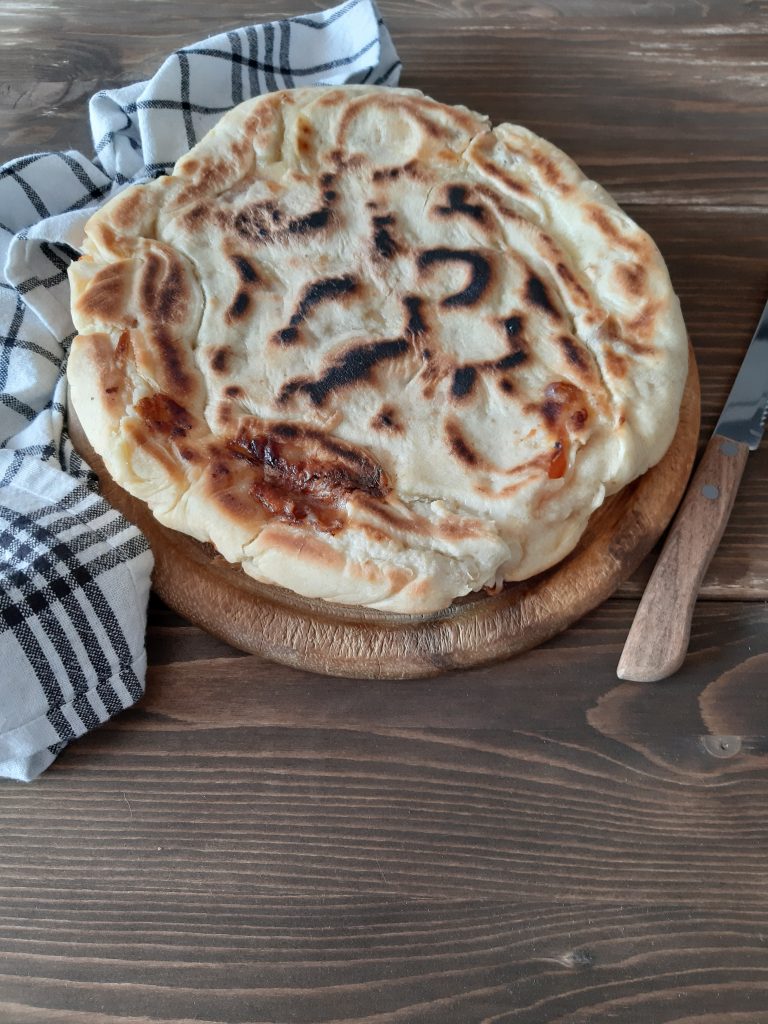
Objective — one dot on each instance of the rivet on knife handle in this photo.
(658, 640)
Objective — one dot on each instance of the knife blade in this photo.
(657, 642)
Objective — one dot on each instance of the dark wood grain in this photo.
(534, 842)
(382, 958)
(552, 690)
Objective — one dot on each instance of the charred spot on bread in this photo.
(245, 269)
(416, 325)
(480, 273)
(383, 241)
(239, 307)
(220, 359)
(460, 448)
(323, 290)
(456, 202)
(387, 419)
(538, 295)
(464, 378)
(163, 291)
(352, 367)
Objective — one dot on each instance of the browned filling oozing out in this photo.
(300, 476)
(559, 461)
(564, 406)
(164, 416)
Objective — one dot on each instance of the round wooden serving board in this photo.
(475, 630)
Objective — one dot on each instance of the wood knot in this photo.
(575, 959)
(578, 959)
(722, 746)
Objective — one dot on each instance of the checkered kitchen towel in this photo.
(74, 574)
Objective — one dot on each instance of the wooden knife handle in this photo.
(658, 640)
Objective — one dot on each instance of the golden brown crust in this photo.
(372, 349)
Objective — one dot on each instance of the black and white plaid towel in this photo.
(74, 574)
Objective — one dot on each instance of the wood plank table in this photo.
(532, 842)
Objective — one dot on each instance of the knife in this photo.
(658, 640)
